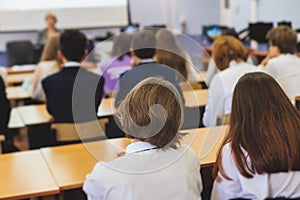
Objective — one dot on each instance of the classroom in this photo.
(152, 100)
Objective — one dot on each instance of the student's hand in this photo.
(120, 154)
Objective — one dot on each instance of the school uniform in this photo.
(221, 90)
(146, 172)
(286, 70)
(261, 186)
(73, 94)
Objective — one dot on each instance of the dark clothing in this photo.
(4, 108)
(142, 71)
(73, 95)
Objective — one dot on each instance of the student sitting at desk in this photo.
(281, 62)
(48, 65)
(143, 50)
(73, 90)
(154, 166)
(4, 108)
(112, 69)
(260, 157)
(169, 53)
(229, 55)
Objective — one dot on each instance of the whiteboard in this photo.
(28, 15)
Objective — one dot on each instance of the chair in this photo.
(20, 53)
(68, 133)
(259, 30)
(2, 138)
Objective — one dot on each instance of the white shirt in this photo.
(72, 64)
(146, 173)
(259, 187)
(221, 90)
(41, 71)
(286, 70)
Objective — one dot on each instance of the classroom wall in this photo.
(267, 10)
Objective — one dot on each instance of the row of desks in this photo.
(51, 170)
(37, 114)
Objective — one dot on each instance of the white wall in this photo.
(267, 10)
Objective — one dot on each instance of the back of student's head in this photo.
(144, 44)
(284, 38)
(51, 48)
(152, 112)
(226, 49)
(73, 45)
(169, 53)
(264, 123)
(121, 45)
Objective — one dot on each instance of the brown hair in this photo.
(51, 48)
(226, 49)
(52, 16)
(284, 38)
(138, 110)
(121, 45)
(169, 52)
(264, 123)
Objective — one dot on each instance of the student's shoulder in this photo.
(51, 78)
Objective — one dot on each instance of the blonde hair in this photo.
(226, 49)
(152, 107)
(52, 16)
(169, 53)
(50, 49)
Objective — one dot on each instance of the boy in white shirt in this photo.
(281, 62)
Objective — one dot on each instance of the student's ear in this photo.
(132, 53)
(85, 55)
(61, 56)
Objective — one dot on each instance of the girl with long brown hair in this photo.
(260, 156)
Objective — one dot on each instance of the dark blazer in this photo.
(142, 71)
(4, 108)
(73, 94)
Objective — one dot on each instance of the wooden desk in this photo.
(21, 69)
(15, 120)
(18, 78)
(25, 175)
(71, 163)
(71, 171)
(17, 93)
(206, 142)
(34, 114)
(201, 76)
(106, 108)
(195, 98)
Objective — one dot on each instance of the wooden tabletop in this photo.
(18, 78)
(25, 175)
(21, 69)
(15, 120)
(34, 114)
(205, 142)
(70, 164)
(67, 166)
(201, 76)
(106, 108)
(17, 93)
(195, 98)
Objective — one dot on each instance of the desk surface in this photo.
(71, 171)
(18, 78)
(38, 114)
(15, 120)
(34, 114)
(25, 175)
(75, 162)
(21, 69)
(17, 93)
